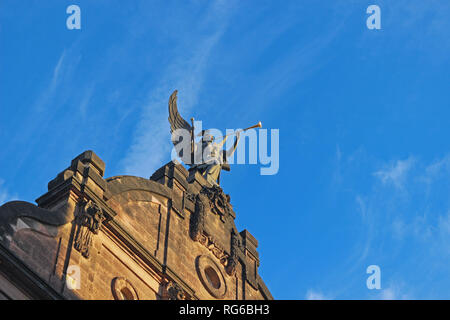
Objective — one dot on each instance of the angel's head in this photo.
(207, 136)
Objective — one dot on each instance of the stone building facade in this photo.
(127, 238)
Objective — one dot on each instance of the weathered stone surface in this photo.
(125, 237)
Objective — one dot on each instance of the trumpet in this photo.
(258, 125)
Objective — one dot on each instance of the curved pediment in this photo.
(15, 213)
(121, 184)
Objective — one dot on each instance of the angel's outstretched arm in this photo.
(230, 151)
(221, 143)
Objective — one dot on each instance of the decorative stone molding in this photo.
(122, 289)
(211, 276)
(213, 199)
(83, 202)
(89, 222)
(197, 222)
(173, 291)
(212, 244)
(219, 202)
(233, 258)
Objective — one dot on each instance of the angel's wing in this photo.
(175, 119)
(185, 149)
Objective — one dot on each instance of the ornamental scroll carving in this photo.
(89, 222)
(219, 202)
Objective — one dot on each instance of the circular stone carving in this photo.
(122, 289)
(211, 276)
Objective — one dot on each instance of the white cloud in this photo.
(436, 169)
(5, 196)
(86, 100)
(399, 228)
(444, 224)
(394, 292)
(315, 295)
(388, 294)
(47, 95)
(36, 121)
(410, 234)
(57, 69)
(396, 173)
(429, 219)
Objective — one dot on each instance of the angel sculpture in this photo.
(205, 156)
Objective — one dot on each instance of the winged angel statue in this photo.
(205, 156)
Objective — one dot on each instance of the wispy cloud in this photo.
(396, 173)
(151, 143)
(394, 292)
(407, 236)
(86, 100)
(436, 169)
(431, 219)
(5, 196)
(421, 220)
(424, 216)
(316, 295)
(48, 93)
(36, 121)
(363, 248)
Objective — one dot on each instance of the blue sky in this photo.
(363, 115)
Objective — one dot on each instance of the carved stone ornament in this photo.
(213, 199)
(198, 218)
(174, 291)
(89, 222)
(233, 258)
(219, 202)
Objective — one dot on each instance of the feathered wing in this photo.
(175, 119)
(177, 122)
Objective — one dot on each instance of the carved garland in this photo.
(233, 259)
(89, 222)
(198, 218)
